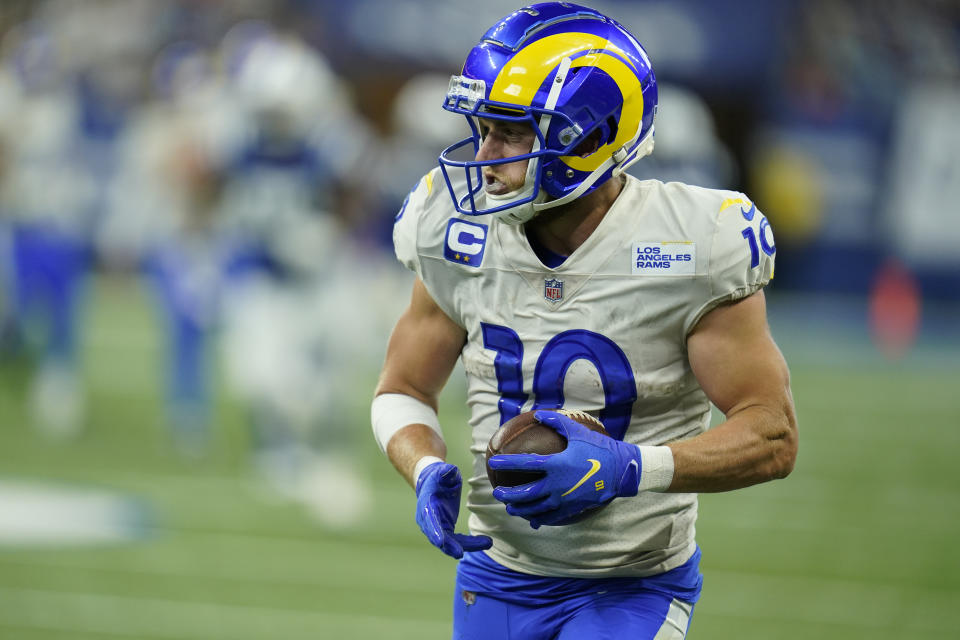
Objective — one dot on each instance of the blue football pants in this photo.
(636, 614)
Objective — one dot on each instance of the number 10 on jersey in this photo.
(561, 351)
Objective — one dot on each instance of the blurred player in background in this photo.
(48, 196)
(291, 324)
(163, 216)
(230, 200)
(561, 282)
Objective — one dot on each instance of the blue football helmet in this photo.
(579, 79)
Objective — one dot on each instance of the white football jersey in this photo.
(605, 332)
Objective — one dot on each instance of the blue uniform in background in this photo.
(49, 269)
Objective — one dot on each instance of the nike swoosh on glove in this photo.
(593, 470)
(438, 504)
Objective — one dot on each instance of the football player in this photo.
(50, 197)
(286, 335)
(559, 281)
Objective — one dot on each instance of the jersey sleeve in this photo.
(742, 255)
(406, 225)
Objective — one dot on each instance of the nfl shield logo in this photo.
(553, 290)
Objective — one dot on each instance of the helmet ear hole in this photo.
(613, 128)
(590, 144)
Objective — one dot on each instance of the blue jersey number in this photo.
(616, 374)
(765, 244)
(508, 367)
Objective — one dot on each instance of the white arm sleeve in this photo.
(390, 412)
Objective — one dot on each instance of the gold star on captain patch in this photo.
(466, 258)
(456, 256)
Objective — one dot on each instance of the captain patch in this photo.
(664, 258)
(465, 242)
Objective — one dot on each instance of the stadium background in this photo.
(144, 442)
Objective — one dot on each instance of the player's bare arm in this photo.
(422, 351)
(742, 371)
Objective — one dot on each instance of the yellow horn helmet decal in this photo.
(519, 80)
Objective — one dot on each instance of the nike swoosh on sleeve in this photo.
(594, 467)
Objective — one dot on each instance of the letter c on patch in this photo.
(466, 238)
(465, 242)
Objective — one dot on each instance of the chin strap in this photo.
(626, 160)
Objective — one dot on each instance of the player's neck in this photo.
(563, 229)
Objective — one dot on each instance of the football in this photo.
(523, 434)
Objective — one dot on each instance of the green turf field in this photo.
(859, 543)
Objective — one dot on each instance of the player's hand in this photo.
(593, 470)
(438, 504)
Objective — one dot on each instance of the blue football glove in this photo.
(593, 470)
(438, 503)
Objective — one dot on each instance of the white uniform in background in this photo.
(299, 336)
(608, 327)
